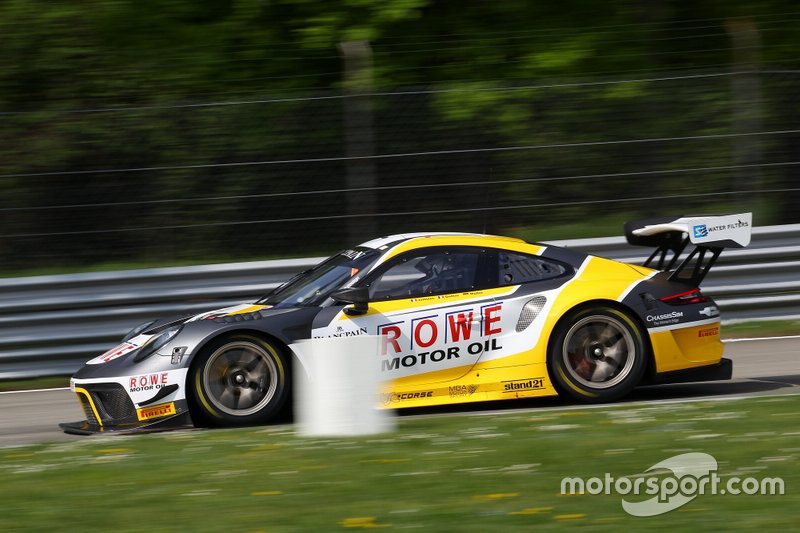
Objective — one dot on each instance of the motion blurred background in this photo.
(148, 133)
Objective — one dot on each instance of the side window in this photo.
(515, 269)
(434, 272)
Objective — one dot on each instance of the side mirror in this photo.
(358, 296)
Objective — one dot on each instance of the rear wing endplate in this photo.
(670, 237)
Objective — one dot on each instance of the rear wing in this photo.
(670, 237)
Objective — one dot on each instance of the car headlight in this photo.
(138, 329)
(155, 343)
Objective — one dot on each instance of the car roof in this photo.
(394, 245)
(382, 243)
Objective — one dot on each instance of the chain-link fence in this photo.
(302, 175)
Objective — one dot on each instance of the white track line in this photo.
(33, 390)
(749, 339)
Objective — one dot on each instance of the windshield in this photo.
(313, 287)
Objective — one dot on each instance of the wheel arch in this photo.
(272, 339)
(192, 363)
(629, 311)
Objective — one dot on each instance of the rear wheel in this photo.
(598, 354)
(239, 380)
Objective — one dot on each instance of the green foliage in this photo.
(89, 88)
(321, 24)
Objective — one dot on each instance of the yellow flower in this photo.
(362, 521)
(570, 516)
(496, 496)
(532, 510)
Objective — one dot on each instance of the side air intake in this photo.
(530, 311)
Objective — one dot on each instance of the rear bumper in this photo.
(716, 372)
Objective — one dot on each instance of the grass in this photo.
(111, 266)
(35, 383)
(474, 472)
(770, 328)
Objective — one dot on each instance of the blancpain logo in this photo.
(665, 316)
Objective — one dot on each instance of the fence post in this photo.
(359, 139)
(746, 108)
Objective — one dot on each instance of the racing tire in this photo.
(598, 354)
(239, 380)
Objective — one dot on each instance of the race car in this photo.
(459, 318)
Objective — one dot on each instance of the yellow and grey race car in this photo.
(459, 318)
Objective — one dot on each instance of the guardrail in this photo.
(52, 324)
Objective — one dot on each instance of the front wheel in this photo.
(598, 355)
(239, 380)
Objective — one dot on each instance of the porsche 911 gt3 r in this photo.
(459, 317)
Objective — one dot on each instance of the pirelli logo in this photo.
(156, 411)
(708, 332)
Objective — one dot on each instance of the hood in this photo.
(235, 313)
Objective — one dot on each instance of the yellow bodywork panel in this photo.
(688, 347)
(517, 375)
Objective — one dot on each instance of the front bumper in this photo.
(109, 408)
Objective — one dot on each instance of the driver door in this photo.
(433, 312)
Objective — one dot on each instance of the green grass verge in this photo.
(771, 328)
(142, 264)
(476, 472)
(35, 383)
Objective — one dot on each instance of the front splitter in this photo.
(179, 421)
